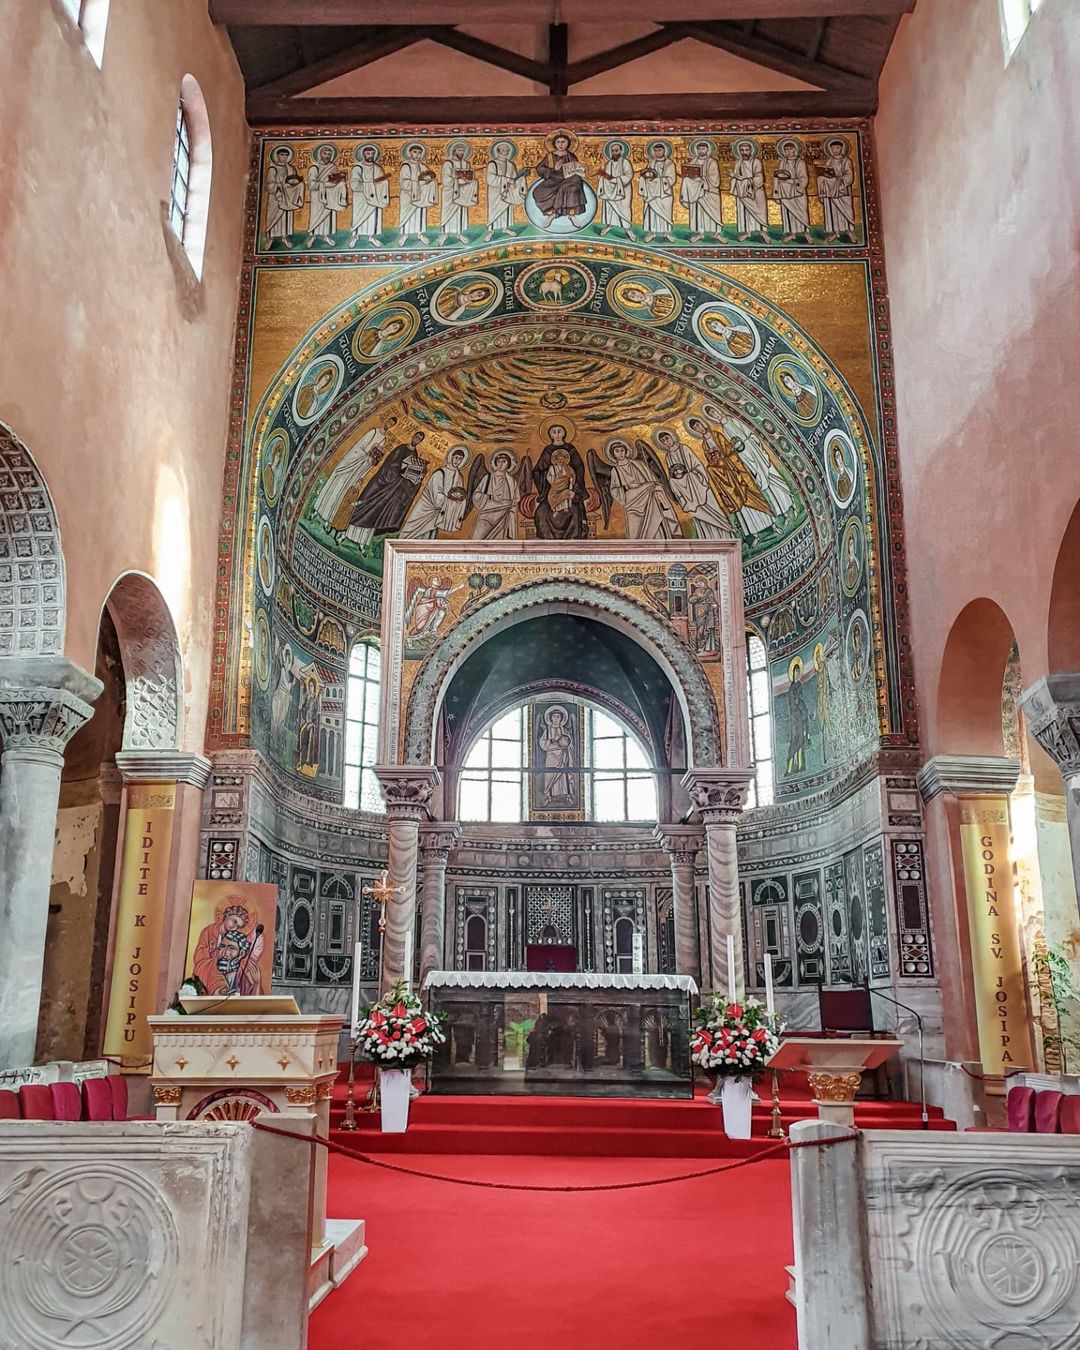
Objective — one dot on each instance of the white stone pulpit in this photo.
(238, 1065)
(834, 1066)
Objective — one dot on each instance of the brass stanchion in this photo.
(350, 1099)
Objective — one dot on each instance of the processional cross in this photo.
(382, 892)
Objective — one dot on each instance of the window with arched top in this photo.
(189, 189)
(759, 700)
(361, 788)
(91, 17)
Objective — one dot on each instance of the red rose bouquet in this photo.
(734, 1039)
(397, 1033)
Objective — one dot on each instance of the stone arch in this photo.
(150, 653)
(1063, 618)
(591, 601)
(970, 685)
(33, 611)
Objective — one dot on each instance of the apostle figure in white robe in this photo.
(327, 195)
(496, 499)
(614, 188)
(506, 190)
(337, 496)
(835, 188)
(760, 463)
(790, 190)
(284, 195)
(699, 191)
(635, 487)
(416, 186)
(370, 193)
(441, 505)
(460, 191)
(656, 185)
(748, 189)
(690, 488)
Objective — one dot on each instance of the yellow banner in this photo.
(144, 881)
(1001, 1000)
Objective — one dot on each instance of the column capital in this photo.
(718, 795)
(967, 776)
(407, 789)
(163, 766)
(1052, 708)
(681, 843)
(44, 700)
(437, 841)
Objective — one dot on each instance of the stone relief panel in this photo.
(32, 587)
(152, 669)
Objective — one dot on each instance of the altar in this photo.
(562, 1033)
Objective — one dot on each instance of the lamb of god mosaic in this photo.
(336, 195)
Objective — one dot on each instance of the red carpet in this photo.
(457, 1268)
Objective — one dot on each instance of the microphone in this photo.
(924, 1118)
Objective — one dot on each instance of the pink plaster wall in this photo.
(116, 363)
(980, 185)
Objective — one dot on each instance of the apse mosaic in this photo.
(512, 363)
(342, 194)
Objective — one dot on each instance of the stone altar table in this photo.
(235, 1066)
(834, 1066)
(563, 1034)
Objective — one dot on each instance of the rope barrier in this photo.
(772, 1151)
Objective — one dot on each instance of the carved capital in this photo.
(325, 1092)
(163, 766)
(437, 843)
(968, 775)
(718, 795)
(407, 789)
(838, 1088)
(167, 1096)
(1052, 708)
(681, 843)
(43, 703)
(307, 1095)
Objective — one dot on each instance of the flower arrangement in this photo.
(734, 1039)
(397, 1033)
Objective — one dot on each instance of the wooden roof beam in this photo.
(774, 57)
(380, 42)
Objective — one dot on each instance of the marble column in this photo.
(182, 776)
(436, 844)
(407, 789)
(719, 796)
(1052, 708)
(682, 843)
(44, 700)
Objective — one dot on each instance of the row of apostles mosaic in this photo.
(548, 360)
(399, 192)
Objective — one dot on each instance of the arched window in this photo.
(492, 774)
(623, 786)
(1015, 17)
(759, 700)
(189, 191)
(91, 17)
(362, 790)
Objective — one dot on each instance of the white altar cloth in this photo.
(553, 979)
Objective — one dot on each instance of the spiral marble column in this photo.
(407, 790)
(436, 844)
(719, 796)
(682, 844)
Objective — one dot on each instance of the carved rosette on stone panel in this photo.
(40, 721)
(91, 1257)
(1052, 708)
(407, 790)
(718, 795)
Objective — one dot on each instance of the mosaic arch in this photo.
(569, 390)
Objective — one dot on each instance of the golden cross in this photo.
(382, 892)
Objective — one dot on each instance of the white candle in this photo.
(731, 968)
(358, 952)
(768, 984)
(408, 962)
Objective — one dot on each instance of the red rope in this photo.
(773, 1151)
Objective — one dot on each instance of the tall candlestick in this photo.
(358, 952)
(408, 963)
(731, 968)
(769, 1005)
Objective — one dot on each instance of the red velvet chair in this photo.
(1048, 1112)
(66, 1100)
(119, 1089)
(1070, 1114)
(1020, 1110)
(9, 1105)
(97, 1099)
(36, 1102)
